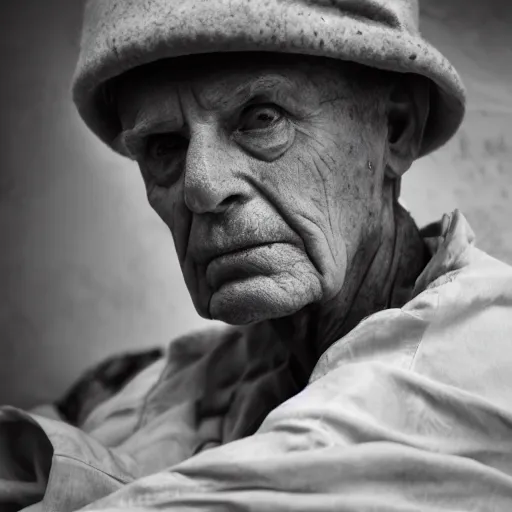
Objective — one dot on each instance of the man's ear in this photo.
(407, 113)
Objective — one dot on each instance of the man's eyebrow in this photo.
(276, 87)
(128, 142)
(149, 119)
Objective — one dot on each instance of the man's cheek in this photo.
(195, 279)
(292, 187)
(175, 215)
(289, 183)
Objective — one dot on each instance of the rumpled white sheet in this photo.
(410, 411)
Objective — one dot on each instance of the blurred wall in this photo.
(86, 269)
(474, 171)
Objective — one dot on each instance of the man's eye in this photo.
(259, 118)
(163, 159)
(163, 146)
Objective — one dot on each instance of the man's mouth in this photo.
(241, 263)
(206, 255)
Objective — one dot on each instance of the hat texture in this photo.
(119, 35)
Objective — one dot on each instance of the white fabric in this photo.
(411, 410)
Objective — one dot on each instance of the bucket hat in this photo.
(120, 35)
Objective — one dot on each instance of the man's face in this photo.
(268, 174)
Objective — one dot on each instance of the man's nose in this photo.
(213, 178)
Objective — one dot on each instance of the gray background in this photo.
(86, 269)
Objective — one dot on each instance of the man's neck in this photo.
(387, 282)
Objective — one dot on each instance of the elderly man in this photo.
(367, 364)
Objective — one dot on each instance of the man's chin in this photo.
(256, 299)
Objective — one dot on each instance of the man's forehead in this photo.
(212, 81)
(221, 82)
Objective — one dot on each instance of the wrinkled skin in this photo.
(277, 177)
